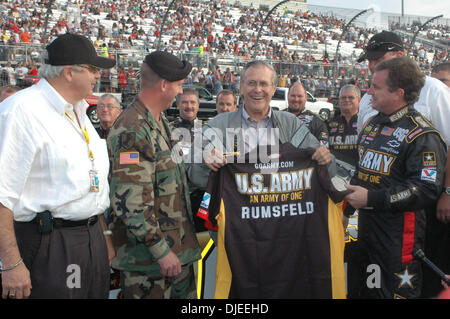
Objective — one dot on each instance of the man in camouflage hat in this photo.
(151, 219)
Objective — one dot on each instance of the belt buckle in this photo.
(91, 220)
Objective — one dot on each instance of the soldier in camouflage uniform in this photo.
(153, 232)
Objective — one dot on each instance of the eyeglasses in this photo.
(375, 45)
(109, 106)
(347, 97)
(91, 68)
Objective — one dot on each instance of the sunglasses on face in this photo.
(91, 68)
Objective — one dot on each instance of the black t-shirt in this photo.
(278, 230)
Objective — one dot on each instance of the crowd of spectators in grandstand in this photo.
(201, 31)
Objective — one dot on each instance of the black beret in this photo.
(168, 66)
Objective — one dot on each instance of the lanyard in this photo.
(86, 138)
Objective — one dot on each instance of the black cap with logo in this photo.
(381, 43)
(72, 49)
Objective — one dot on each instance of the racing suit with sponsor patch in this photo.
(316, 126)
(185, 138)
(343, 139)
(401, 164)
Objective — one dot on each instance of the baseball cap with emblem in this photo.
(72, 49)
(168, 66)
(381, 43)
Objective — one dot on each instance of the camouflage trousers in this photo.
(140, 285)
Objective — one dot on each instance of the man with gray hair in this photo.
(53, 194)
(108, 109)
(344, 145)
(342, 128)
(255, 130)
(257, 121)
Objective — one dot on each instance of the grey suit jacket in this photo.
(291, 129)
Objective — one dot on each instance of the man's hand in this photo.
(16, 283)
(110, 248)
(108, 239)
(170, 265)
(345, 223)
(215, 160)
(358, 197)
(444, 283)
(443, 208)
(322, 155)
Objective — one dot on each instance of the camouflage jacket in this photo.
(150, 207)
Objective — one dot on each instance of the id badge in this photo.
(185, 148)
(93, 177)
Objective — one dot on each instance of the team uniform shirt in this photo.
(279, 233)
(45, 159)
(343, 139)
(184, 133)
(186, 137)
(317, 127)
(433, 103)
(401, 164)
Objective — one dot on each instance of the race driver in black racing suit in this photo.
(399, 175)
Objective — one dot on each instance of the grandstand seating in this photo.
(323, 33)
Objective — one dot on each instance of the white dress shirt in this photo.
(44, 157)
(433, 103)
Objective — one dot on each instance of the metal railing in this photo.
(133, 58)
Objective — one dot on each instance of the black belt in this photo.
(59, 222)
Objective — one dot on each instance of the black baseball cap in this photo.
(381, 43)
(71, 49)
(168, 66)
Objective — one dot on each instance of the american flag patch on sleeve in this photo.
(129, 158)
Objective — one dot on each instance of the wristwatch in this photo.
(447, 190)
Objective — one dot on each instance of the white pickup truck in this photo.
(322, 108)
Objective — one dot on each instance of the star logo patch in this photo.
(429, 159)
(405, 278)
